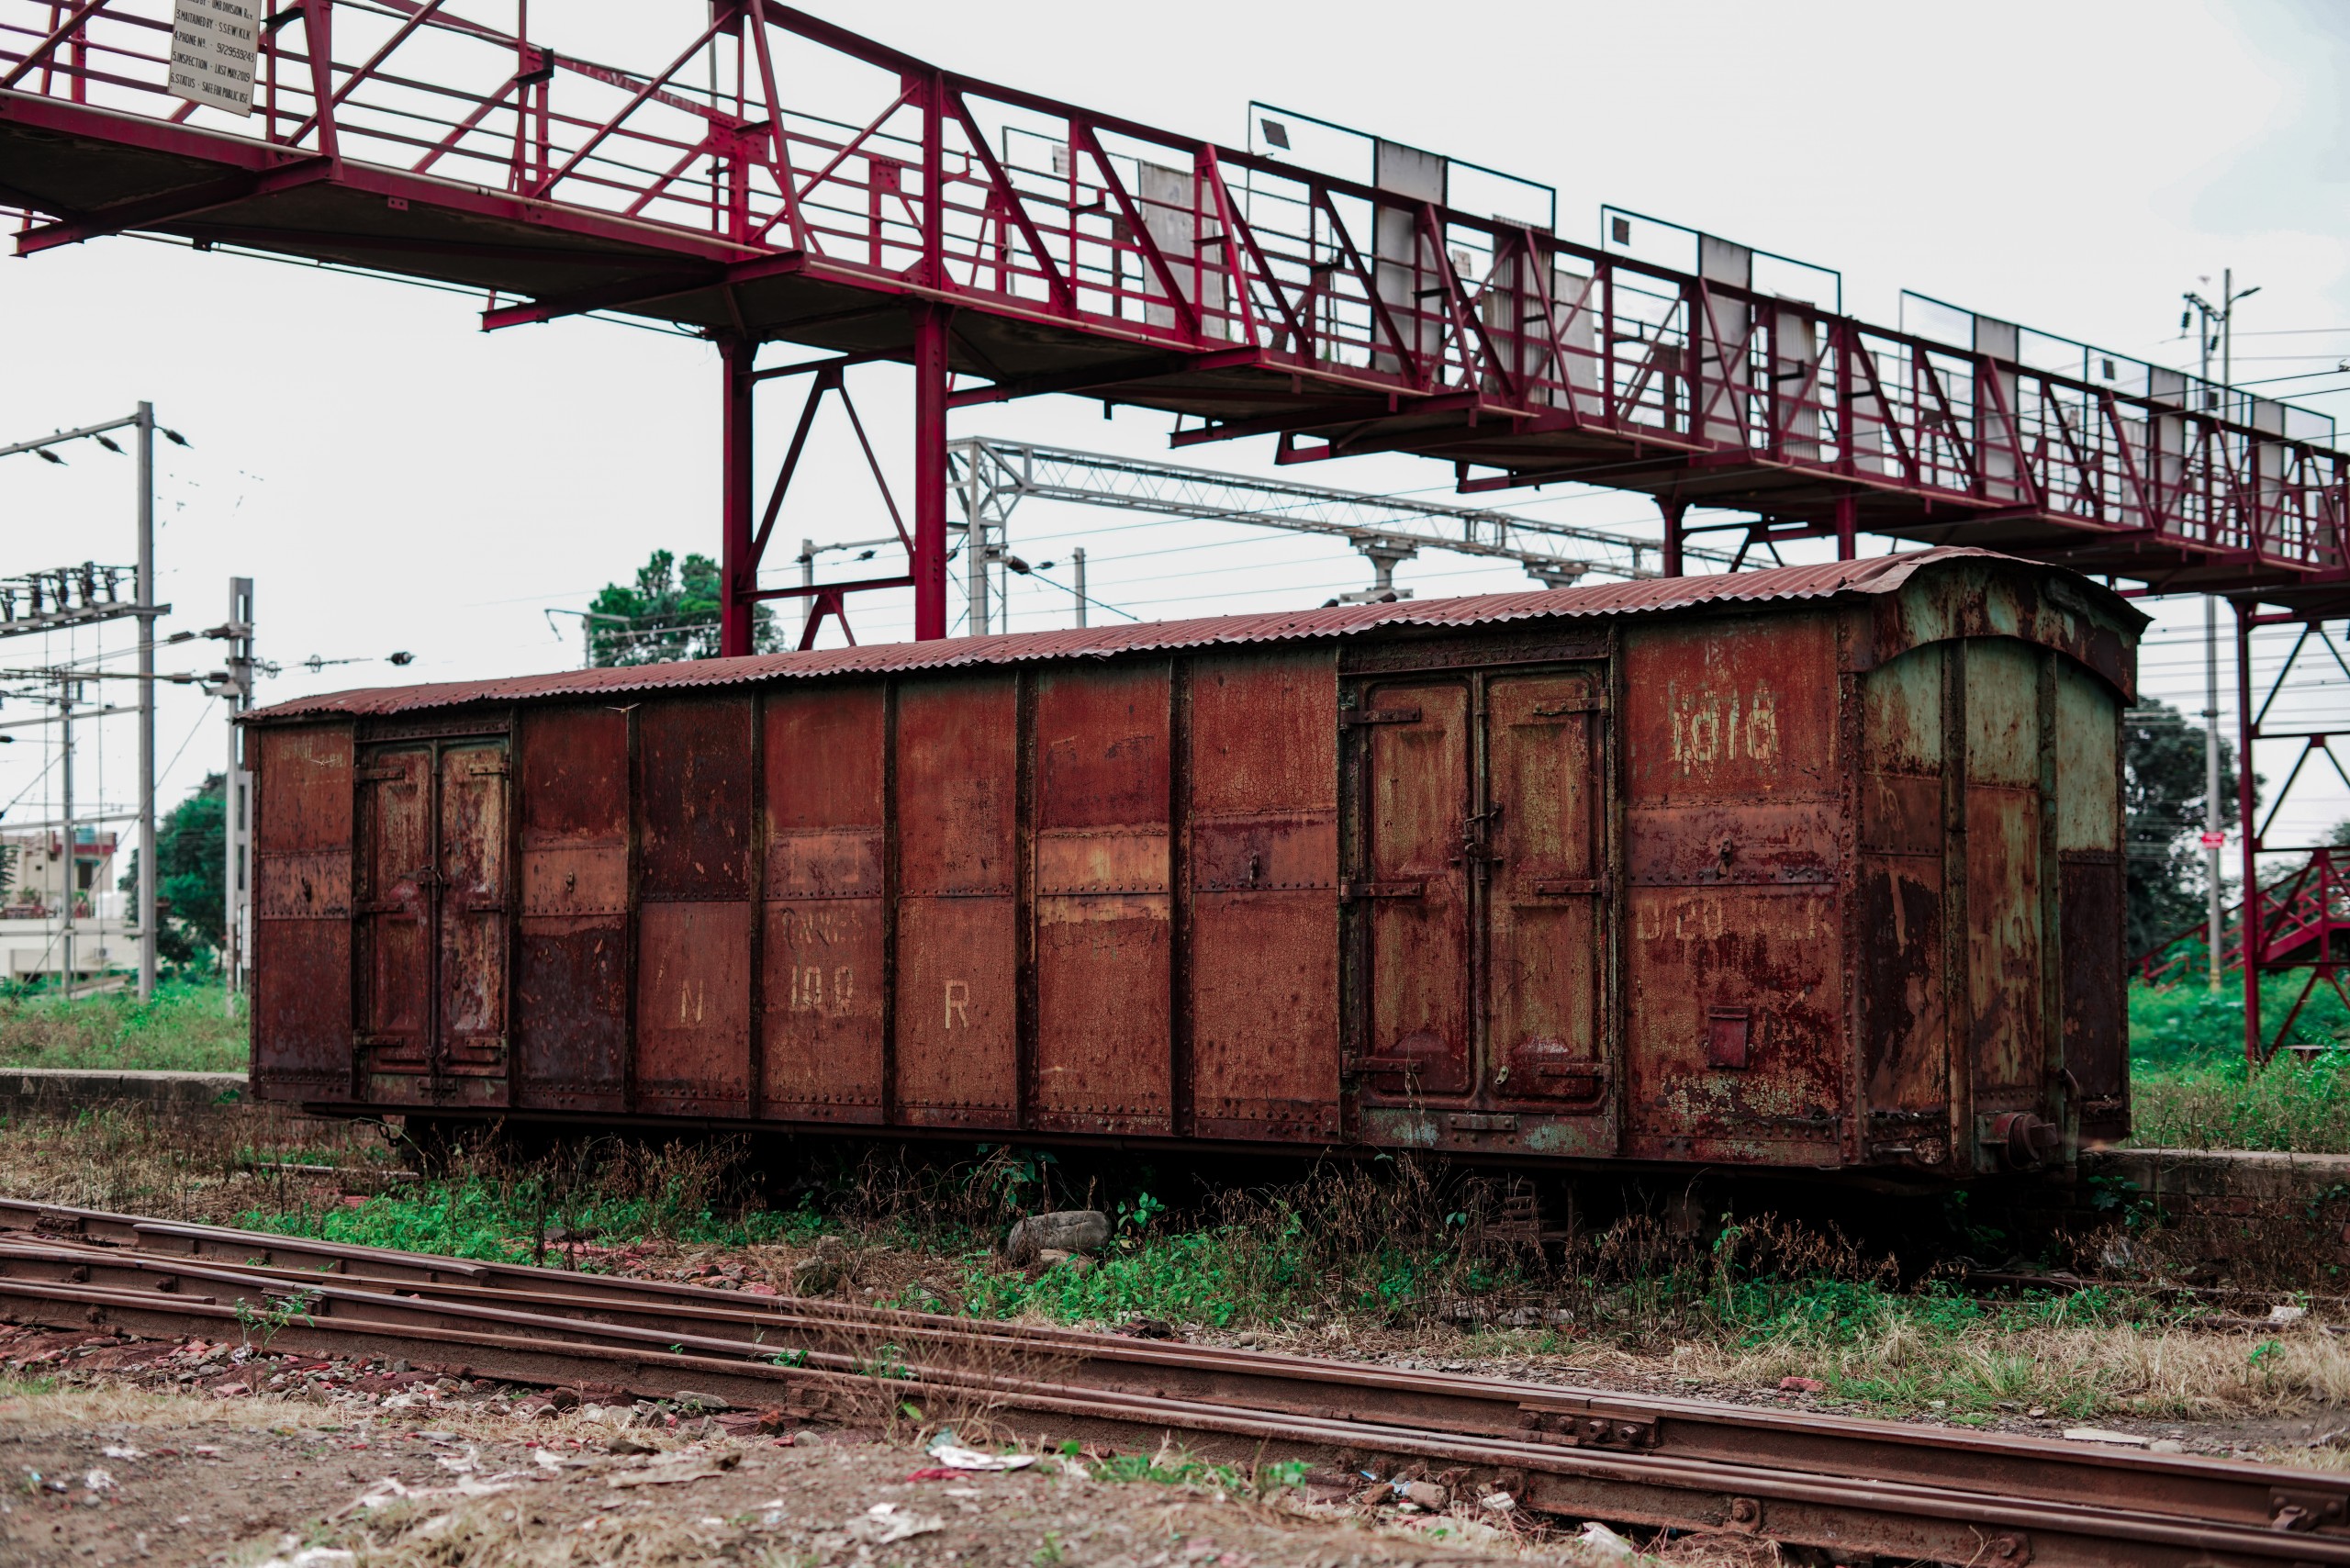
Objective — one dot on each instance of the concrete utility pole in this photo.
(1077, 564)
(807, 580)
(2212, 935)
(148, 854)
(71, 874)
(236, 805)
(2222, 316)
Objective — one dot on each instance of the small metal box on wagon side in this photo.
(1816, 868)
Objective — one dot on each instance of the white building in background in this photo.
(44, 886)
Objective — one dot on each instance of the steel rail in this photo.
(1299, 1385)
(429, 1307)
(722, 1321)
(1949, 1524)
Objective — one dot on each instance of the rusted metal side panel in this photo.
(570, 1026)
(693, 1008)
(1736, 983)
(1103, 933)
(694, 799)
(1263, 832)
(302, 1016)
(823, 983)
(1549, 1043)
(2003, 873)
(472, 965)
(1412, 880)
(956, 812)
(1903, 1043)
(693, 793)
(395, 927)
(2089, 849)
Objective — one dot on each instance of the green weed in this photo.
(271, 1320)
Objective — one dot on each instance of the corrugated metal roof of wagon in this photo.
(1881, 574)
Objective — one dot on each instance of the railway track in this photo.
(1853, 1488)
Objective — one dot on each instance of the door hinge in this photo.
(380, 775)
(1567, 888)
(488, 769)
(1380, 716)
(1387, 889)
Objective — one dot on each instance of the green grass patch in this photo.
(187, 1027)
(2189, 1088)
(609, 1191)
(1930, 1348)
(2189, 1024)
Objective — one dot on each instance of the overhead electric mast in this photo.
(989, 477)
(86, 595)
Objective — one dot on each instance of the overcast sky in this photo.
(395, 478)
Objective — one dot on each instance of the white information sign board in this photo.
(214, 46)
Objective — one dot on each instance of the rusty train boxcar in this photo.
(1816, 868)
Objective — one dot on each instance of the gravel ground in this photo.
(208, 1452)
(121, 1451)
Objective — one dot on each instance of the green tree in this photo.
(2162, 774)
(192, 844)
(670, 612)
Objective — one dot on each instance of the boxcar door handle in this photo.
(1380, 716)
(1387, 889)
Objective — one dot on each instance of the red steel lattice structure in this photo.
(823, 189)
(2300, 920)
(819, 189)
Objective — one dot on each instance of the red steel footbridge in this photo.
(777, 179)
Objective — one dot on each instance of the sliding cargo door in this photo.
(1544, 904)
(1410, 887)
(472, 931)
(396, 925)
(433, 923)
(1477, 889)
